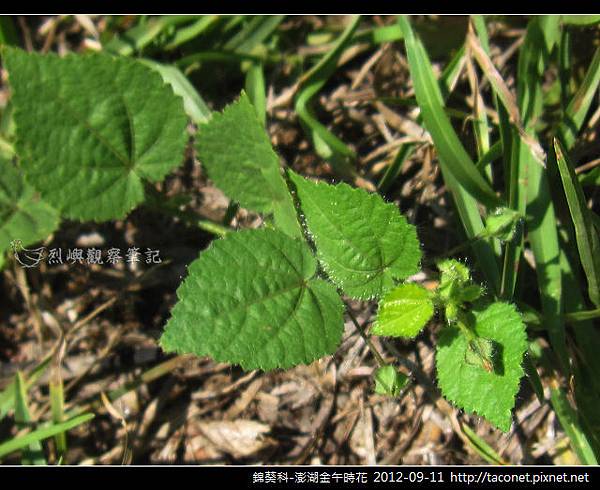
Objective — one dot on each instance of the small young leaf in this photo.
(90, 128)
(253, 299)
(502, 223)
(453, 271)
(456, 286)
(23, 215)
(403, 312)
(389, 381)
(490, 394)
(237, 154)
(363, 242)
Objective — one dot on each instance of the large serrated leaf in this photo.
(91, 128)
(363, 242)
(237, 154)
(403, 312)
(253, 299)
(23, 215)
(490, 394)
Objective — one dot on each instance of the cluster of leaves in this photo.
(265, 298)
(270, 298)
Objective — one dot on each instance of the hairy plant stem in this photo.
(378, 357)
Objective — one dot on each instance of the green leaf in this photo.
(591, 178)
(451, 152)
(23, 215)
(363, 242)
(490, 394)
(403, 312)
(91, 128)
(327, 145)
(484, 450)
(253, 299)
(237, 154)
(502, 223)
(389, 381)
(456, 286)
(8, 394)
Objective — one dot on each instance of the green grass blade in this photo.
(255, 88)
(193, 103)
(588, 241)
(451, 152)
(136, 38)
(257, 30)
(327, 145)
(570, 423)
(32, 454)
(7, 396)
(447, 83)
(42, 434)
(514, 189)
(541, 217)
(580, 104)
(583, 315)
(57, 409)
(379, 35)
(486, 451)
(565, 64)
(466, 204)
(8, 33)
(580, 20)
(187, 33)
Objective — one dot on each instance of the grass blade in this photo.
(7, 396)
(32, 454)
(187, 33)
(193, 103)
(580, 104)
(253, 33)
(327, 145)
(255, 88)
(447, 82)
(42, 434)
(483, 448)
(426, 89)
(588, 242)
(541, 217)
(8, 33)
(569, 421)
(451, 152)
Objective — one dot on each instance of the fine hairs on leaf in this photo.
(363, 243)
(403, 312)
(90, 129)
(253, 298)
(489, 393)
